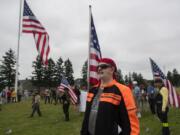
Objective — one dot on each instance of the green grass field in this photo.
(15, 117)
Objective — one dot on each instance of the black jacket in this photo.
(116, 107)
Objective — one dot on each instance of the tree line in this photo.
(51, 75)
(42, 76)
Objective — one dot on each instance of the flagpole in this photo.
(88, 73)
(19, 34)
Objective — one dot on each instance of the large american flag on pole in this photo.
(174, 97)
(95, 54)
(65, 84)
(33, 26)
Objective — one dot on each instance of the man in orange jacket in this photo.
(110, 105)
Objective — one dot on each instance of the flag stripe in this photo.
(95, 54)
(64, 84)
(31, 25)
(93, 68)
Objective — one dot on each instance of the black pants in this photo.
(47, 98)
(152, 105)
(13, 99)
(36, 108)
(66, 111)
(164, 120)
(54, 99)
(19, 98)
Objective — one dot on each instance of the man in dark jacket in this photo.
(110, 105)
(162, 106)
(66, 103)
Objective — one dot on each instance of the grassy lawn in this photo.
(15, 117)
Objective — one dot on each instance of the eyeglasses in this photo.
(103, 66)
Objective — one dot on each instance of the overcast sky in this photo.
(129, 31)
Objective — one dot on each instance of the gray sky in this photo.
(129, 31)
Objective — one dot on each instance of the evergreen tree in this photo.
(84, 73)
(126, 79)
(135, 76)
(7, 69)
(59, 71)
(68, 71)
(140, 79)
(170, 77)
(38, 73)
(130, 78)
(49, 74)
(119, 76)
(176, 77)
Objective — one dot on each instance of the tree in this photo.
(7, 69)
(84, 73)
(59, 71)
(138, 77)
(119, 76)
(126, 79)
(135, 76)
(49, 74)
(38, 73)
(170, 76)
(68, 71)
(176, 77)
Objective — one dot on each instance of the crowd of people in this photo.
(111, 108)
(53, 96)
(9, 95)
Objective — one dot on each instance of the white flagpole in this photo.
(19, 35)
(88, 73)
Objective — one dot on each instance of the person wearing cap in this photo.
(161, 100)
(110, 105)
(36, 104)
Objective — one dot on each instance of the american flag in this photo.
(95, 54)
(33, 26)
(64, 84)
(174, 97)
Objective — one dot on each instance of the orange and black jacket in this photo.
(116, 107)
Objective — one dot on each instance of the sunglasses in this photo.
(103, 66)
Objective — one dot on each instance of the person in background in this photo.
(162, 109)
(143, 97)
(26, 94)
(66, 103)
(1, 102)
(19, 95)
(151, 97)
(3, 96)
(8, 96)
(13, 96)
(78, 93)
(36, 104)
(47, 96)
(137, 96)
(53, 96)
